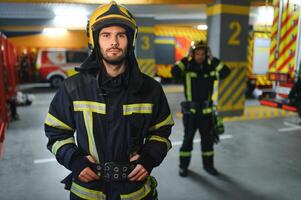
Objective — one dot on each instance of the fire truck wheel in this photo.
(56, 81)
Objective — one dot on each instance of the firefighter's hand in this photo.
(215, 137)
(88, 175)
(139, 173)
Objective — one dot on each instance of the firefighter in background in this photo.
(121, 116)
(295, 96)
(199, 71)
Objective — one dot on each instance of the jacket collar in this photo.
(92, 65)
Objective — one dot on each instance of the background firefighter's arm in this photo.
(178, 69)
(221, 70)
(60, 128)
(157, 143)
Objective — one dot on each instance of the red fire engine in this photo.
(285, 52)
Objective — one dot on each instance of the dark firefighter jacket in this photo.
(199, 79)
(295, 93)
(113, 118)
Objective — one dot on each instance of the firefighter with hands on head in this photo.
(199, 71)
(109, 124)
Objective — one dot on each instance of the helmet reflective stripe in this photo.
(108, 14)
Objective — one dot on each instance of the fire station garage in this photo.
(236, 114)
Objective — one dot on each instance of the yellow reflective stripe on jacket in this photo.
(60, 143)
(219, 67)
(165, 122)
(185, 153)
(88, 119)
(181, 65)
(90, 106)
(56, 123)
(208, 153)
(208, 110)
(141, 108)
(140, 194)
(161, 139)
(86, 193)
(189, 76)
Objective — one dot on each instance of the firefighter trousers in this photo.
(192, 123)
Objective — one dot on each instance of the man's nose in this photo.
(114, 41)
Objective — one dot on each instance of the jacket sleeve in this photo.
(59, 128)
(221, 70)
(178, 69)
(157, 143)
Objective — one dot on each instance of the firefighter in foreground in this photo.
(199, 70)
(121, 117)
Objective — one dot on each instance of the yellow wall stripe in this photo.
(227, 9)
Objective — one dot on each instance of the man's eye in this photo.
(105, 35)
(122, 35)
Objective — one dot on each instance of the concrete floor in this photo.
(258, 159)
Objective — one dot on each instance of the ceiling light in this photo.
(202, 27)
(54, 31)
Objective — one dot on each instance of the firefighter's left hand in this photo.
(139, 173)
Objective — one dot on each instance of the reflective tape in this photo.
(140, 108)
(140, 194)
(86, 193)
(181, 65)
(56, 123)
(208, 153)
(161, 139)
(88, 119)
(90, 106)
(185, 153)
(189, 76)
(165, 122)
(58, 144)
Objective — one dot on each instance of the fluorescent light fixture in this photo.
(202, 27)
(71, 21)
(72, 17)
(264, 16)
(54, 31)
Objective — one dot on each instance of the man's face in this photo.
(199, 56)
(113, 44)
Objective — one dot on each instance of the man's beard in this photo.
(115, 61)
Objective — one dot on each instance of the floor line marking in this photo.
(291, 127)
(222, 137)
(45, 160)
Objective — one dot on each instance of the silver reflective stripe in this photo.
(88, 118)
(166, 122)
(86, 193)
(60, 143)
(56, 123)
(142, 108)
(90, 106)
(140, 194)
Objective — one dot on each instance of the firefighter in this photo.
(199, 72)
(295, 96)
(120, 116)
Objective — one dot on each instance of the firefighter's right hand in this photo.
(88, 175)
